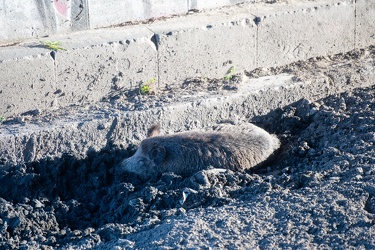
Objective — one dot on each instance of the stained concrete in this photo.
(312, 30)
(365, 23)
(21, 20)
(93, 64)
(207, 44)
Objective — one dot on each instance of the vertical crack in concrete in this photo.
(54, 84)
(155, 40)
(257, 21)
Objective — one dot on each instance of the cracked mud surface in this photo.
(318, 192)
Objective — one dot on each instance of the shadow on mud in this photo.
(54, 202)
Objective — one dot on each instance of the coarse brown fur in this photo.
(234, 147)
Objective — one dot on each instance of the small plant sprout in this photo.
(146, 88)
(2, 118)
(53, 45)
(229, 74)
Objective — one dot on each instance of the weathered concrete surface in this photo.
(117, 11)
(365, 23)
(80, 130)
(307, 31)
(24, 20)
(90, 69)
(95, 63)
(207, 44)
(20, 94)
(205, 47)
(251, 36)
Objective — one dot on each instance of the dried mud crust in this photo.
(329, 67)
(326, 66)
(318, 191)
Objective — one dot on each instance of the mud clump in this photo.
(317, 193)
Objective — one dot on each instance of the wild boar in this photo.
(234, 147)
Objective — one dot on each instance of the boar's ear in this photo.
(157, 154)
(154, 130)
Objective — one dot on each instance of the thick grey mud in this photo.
(319, 188)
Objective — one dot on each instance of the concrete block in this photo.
(33, 142)
(114, 58)
(24, 20)
(93, 64)
(159, 8)
(204, 4)
(365, 23)
(108, 13)
(309, 30)
(26, 84)
(207, 48)
(201, 4)
(135, 55)
(84, 74)
(20, 20)
(136, 62)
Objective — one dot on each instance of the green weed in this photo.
(230, 74)
(54, 45)
(146, 88)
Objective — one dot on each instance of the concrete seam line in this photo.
(155, 40)
(88, 16)
(256, 20)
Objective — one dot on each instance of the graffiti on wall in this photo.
(68, 15)
(62, 8)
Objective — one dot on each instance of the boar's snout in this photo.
(127, 165)
(138, 164)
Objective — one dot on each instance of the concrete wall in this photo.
(29, 19)
(97, 62)
(36, 18)
(365, 23)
